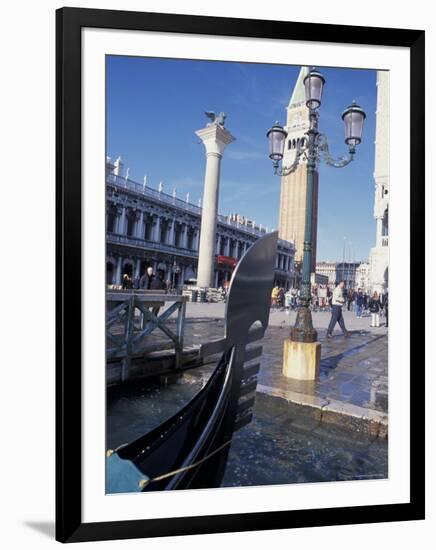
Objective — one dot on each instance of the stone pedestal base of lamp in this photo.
(301, 360)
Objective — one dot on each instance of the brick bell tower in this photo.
(292, 215)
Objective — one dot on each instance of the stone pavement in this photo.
(353, 384)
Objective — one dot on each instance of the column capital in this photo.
(215, 139)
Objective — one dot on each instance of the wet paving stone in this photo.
(350, 367)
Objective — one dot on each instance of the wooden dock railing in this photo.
(132, 315)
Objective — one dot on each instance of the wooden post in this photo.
(180, 329)
(128, 336)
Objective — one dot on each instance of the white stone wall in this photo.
(363, 276)
(379, 256)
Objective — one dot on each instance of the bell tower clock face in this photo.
(297, 120)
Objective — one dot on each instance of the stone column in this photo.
(196, 239)
(117, 224)
(138, 268)
(185, 236)
(215, 138)
(156, 236)
(218, 244)
(227, 248)
(118, 271)
(140, 226)
(170, 238)
(122, 222)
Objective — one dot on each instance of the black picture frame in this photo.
(69, 22)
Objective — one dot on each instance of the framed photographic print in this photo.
(235, 347)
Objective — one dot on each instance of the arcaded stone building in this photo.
(147, 227)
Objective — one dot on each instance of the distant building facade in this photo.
(294, 186)
(363, 272)
(350, 272)
(318, 279)
(379, 255)
(327, 269)
(147, 227)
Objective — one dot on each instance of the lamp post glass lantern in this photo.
(313, 85)
(310, 150)
(277, 137)
(353, 118)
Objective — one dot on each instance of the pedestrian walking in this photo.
(293, 298)
(338, 301)
(374, 309)
(322, 297)
(274, 296)
(158, 283)
(146, 279)
(350, 299)
(365, 303)
(360, 301)
(281, 297)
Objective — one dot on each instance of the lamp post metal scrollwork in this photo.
(314, 146)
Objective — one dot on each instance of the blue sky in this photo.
(154, 106)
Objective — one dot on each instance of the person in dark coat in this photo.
(385, 305)
(350, 298)
(374, 309)
(360, 302)
(158, 283)
(146, 280)
(365, 302)
(281, 297)
(127, 282)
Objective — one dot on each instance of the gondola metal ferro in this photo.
(190, 449)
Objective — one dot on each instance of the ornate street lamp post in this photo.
(310, 149)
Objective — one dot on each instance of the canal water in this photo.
(281, 445)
